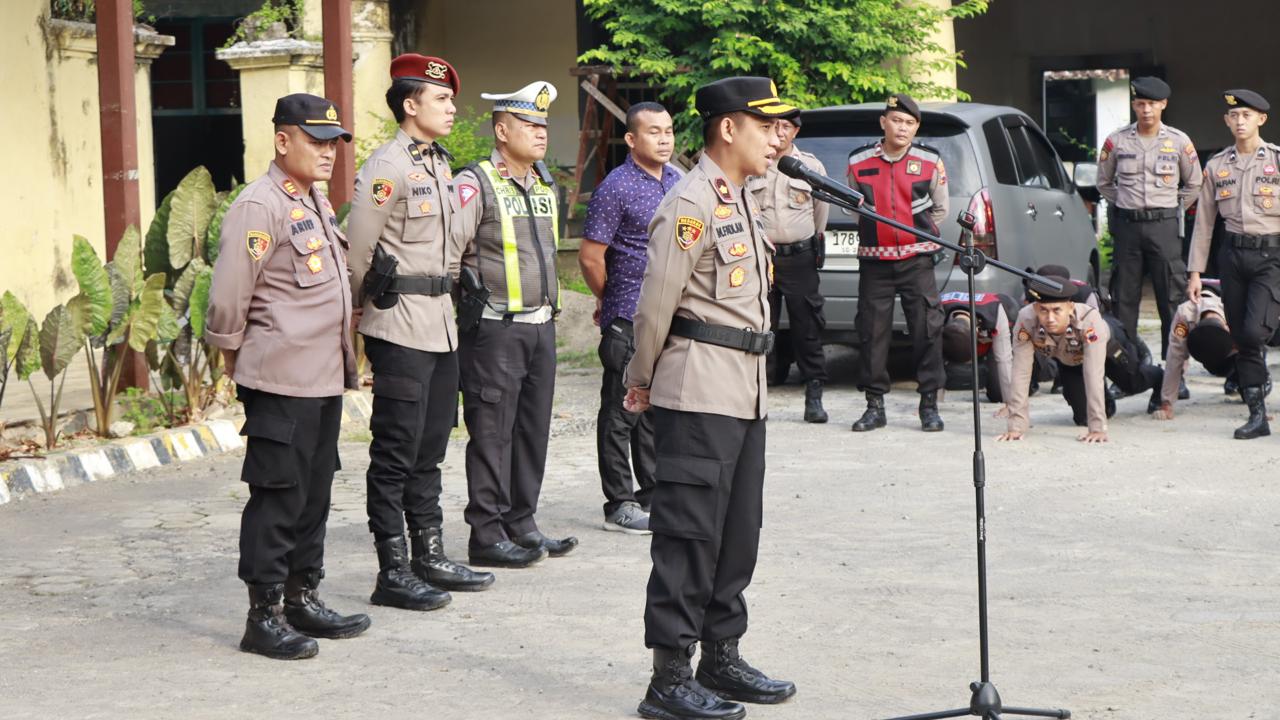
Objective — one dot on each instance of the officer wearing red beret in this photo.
(400, 261)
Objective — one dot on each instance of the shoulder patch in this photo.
(1190, 149)
(688, 230)
(466, 193)
(257, 243)
(1091, 335)
(381, 191)
(1023, 335)
(1180, 330)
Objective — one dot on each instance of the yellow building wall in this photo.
(52, 187)
(500, 46)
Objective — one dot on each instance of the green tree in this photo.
(820, 52)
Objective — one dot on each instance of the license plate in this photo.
(842, 243)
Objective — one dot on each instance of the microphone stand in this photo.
(984, 701)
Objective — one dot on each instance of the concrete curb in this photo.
(60, 470)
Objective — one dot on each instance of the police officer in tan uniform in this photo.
(401, 254)
(795, 222)
(701, 335)
(1148, 172)
(1199, 331)
(1073, 334)
(1242, 184)
(280, 310)
(508, 226)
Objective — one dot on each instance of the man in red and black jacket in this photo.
(908, 183)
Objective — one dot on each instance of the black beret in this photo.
(1150, 88)
(1210, 343)
(755, 95)
(1039, 292)
(315, 115)
(902, 102)
(1245, 98)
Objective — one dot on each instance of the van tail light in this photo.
(984, 230)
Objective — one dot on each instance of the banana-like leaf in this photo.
(213, 238)
(189, 216)
(200, 302)
(128, 259)
(145, 321)
(167, 329)
(186, 281)
(28, 357)
(154, 359)
(155, 254)
(78, 306)
(60, 339)
(16, 318)
(121, 294)
(181, 349)
(95, 288)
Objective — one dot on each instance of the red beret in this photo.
(428, 69)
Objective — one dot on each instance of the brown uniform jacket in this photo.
(1184, 321)
(1083, 343)
(790, 213)
(1244, 190)
(708, 260)
(280, 294)
(1133, 177)
(405, 201)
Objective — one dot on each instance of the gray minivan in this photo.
(999, 165)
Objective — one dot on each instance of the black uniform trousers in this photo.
(623, 439)
(796, 283)
(1251, 296)
(415, 406)
(1124, 367)
(879, 281)
(291, 455)
(508, 382)
(706, 516)
(1147, 248)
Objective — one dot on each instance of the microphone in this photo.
(792, 167)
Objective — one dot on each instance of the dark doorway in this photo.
(195, 100)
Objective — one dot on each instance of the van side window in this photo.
(1037, 163)
(1001, 155)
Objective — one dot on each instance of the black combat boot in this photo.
(555, 548)
(267, 632)
(307, 613)
(1184, 393)
(723, 671)
(930, 420)
(435, 568)
(1257, 425)
(813, 412)
(675, 695)
(873, 417)
(397, 585)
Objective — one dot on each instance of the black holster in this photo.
(475, 296)
(819, 250)
(378, 279)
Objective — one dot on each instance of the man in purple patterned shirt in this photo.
(613, 257)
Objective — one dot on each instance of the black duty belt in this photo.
(794, 248)
(744, 340)
(1147, 215)
(1253, 241)
(421, 284)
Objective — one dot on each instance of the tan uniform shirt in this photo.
(280, 294)
(1184, 321)
(1244, 190)
(708, 260)
(1083, 343)
(1137, 173)
(786, 204)
(405, 201)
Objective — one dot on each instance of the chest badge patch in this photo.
(723, 212)
(738, 249)
(315, 264)
(688, 230)
(314, 243)
(1224, 172)
(1224, 193)
(417, 176)
(466, 193)
(382, 189)
(257, 242)
(1269, 170)
(297, 214)
(425, 206)
(1267, 203)
(722, 189)
(913, 167)
(737, 277)
(800, 198)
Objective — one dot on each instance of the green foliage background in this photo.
(820, 52)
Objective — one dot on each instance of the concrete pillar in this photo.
(270, 69)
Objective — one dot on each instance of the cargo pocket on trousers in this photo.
(269, 460)
(816, 302)
(684, 501)
(395, 387)
(483, 411)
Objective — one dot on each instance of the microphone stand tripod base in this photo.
(986, 704)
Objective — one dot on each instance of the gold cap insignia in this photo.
(1231, 99)
(892, 101)
(543, 100)
(436, 70)
(331, 113)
